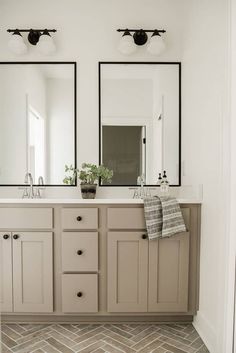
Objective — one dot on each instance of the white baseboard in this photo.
(206, 332)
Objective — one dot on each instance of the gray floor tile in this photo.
(101, 338)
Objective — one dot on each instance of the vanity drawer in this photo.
(79, 251)
(125, 218)
(79, 218)
(80, 293)
(26, 218)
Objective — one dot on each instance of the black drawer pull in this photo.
(15, 236)
(79, 294)
(5, 236)
(79, 252)
(79, 218)
(144, 236)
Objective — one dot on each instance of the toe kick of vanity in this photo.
(72, 261)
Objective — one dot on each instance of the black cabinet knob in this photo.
(5, 236)
(79, 252)
(79, 294)
(79, 218)
(144, 236)
(15, 236)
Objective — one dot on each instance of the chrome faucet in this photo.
(31, 192)
(141, 182)
(140, 191)
(28, 190)
(39, 187)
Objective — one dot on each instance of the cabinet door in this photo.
(5, 272)
(32, 269)
(168, 274)
(127, 272)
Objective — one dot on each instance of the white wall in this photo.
(230, 323)
(205, 133)
(87, 34)
(196, 33)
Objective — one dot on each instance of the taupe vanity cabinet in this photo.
(78, 259)
(26, 267)
(127, 268)
(168, 275)
(26, 260)
(32, 271)
(145, 276)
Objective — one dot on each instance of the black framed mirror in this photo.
(37, 121)
(140, 121)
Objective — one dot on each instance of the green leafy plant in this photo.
(72, 175)
(88, 174)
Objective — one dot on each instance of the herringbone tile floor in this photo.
(101, 338)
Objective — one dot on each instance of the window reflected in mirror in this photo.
(37, 121)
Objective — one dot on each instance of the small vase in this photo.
(88, 191)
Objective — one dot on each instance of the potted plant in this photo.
(89, 174)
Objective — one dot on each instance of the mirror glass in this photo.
(140, 121)
(37, 121)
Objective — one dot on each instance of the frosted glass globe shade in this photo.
(156, 46)
(46, 44)
(127, 45)
(16, 44)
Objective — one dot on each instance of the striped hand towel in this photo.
(163, 217)
(153, 217)
(172, 217)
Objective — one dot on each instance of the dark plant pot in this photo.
(88, 191)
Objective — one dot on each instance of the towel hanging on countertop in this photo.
(163, 217)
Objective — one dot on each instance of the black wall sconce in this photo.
(129, 42)
(39, 37)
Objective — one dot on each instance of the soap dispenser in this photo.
(164, 188)
(159, 180)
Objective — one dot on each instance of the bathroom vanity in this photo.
(71, 260)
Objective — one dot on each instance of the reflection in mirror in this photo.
(140, 121)
(37, 121)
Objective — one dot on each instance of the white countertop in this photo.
(84, 201)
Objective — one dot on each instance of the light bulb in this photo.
(127, 45)
(156, 45)
(46, 44)
(16, 44)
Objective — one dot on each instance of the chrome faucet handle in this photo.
(25, 194)
(37, 194)
(25, 189)
(39, 187)
(136, 192)
(148, 192)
